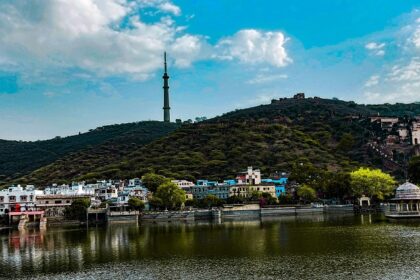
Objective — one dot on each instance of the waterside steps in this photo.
(122, 216)
(22, 222)
(401, 215)
(168, 216)
(28, 218)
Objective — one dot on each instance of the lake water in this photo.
(310, 247)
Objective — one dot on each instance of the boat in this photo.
(406, 204)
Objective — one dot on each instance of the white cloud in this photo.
(398, 79)
(376, 48)
(253, 46)
(415, 38)
(171, 8)
(373, 80)
(90, 35)
(407, 73)
(109, 37)
(266, 78)
(402, 84)
(188, 48)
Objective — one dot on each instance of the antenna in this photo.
(164, 57)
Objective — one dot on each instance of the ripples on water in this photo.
(312, 247)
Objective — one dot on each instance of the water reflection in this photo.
(309, 238)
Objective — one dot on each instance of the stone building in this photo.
(299, 95)
(415, 132)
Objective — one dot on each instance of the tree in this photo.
(172, 197)
(286, 199)
(346, 142)
(212, 201)
(136, 203)
(372, 183)
(235, 199)
(152, 181)
(77, 209)
(268, 198)
(335, 185)
(155, 202)
(414, 170)
(306, 193)
(255, 195)
(305, 173)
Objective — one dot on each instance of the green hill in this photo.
(330, 134)
(99, 146)
(271, 137)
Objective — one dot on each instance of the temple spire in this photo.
(166, 108)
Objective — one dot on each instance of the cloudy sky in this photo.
(71, 65)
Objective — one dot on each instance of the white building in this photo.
(403, 133)
(249, 177)
(415, 132)
(134, 182)
(74, 189)
(183, 184)
(16, 198)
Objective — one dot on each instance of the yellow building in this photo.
(247, 190)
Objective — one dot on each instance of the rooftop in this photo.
(407, 191)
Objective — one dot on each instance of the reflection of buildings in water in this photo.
(366, 219)
(25, 238)
(37, 250)
(316, 218)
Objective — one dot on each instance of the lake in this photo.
(305, 247)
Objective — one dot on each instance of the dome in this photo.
(408, 191)
(407, 186)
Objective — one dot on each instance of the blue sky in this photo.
(69, 66)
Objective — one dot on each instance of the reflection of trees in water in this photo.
(58, 250)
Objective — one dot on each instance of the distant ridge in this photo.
(102, 145)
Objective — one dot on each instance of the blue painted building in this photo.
(204, 188)
(280, 185)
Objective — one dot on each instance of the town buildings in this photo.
(53, 199)
(415, 131)
(204, 188)
(250, 176)
(245, 185)
(17, 198)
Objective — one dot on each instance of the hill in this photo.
(328, 134)
(102, 145)
(272, 137)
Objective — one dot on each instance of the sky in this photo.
(67, 66)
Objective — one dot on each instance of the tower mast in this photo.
(166, 108)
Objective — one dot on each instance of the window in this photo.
(1, 198)
(12, 198)
(23, 198)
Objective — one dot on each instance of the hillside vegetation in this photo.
(328, 134)
(271, 137)
(73, 155)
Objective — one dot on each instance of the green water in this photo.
(311, 247)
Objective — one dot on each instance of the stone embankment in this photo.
(242, 211)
